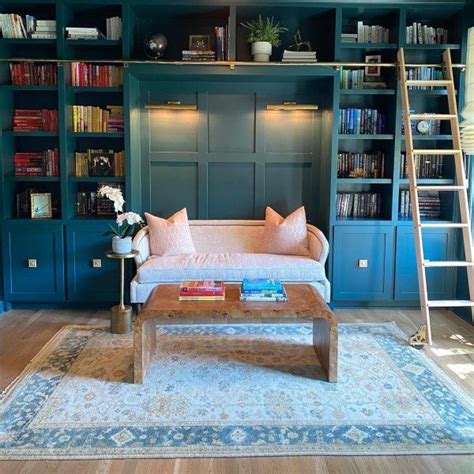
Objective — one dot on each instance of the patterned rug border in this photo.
(227, 451)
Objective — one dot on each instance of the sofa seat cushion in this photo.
(229, 267)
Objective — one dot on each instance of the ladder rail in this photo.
(423, 289)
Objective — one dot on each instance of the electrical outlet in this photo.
(32, 263)
(96, 263)
(362, 263)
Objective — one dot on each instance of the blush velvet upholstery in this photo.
(228, 250)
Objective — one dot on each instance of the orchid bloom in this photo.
(115, 195)
(131, 218)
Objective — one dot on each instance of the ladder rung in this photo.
(443, 225)
(450, 303)
(436, 152)
(424, 82)
(431, 116)
(439, 188)
(430, 263)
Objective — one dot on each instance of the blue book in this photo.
(261, 284)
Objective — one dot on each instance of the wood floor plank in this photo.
(24, 332)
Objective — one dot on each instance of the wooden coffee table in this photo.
(304, 302)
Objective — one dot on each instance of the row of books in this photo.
(33, 74)
(262, 289)
(361, 165)
(113, 28)
(428, 201)
(299, 56)
(23, 203)
(88, 203)
(17, 27)
(88, 118)
(424, 34)
(361, 121)
(356, 79)
(44, 163)
(367, 34)
(358, 205)
(426, 166)
(95, 75)
(100, 163)
(28, 120)
(202, 290)
(424, 73)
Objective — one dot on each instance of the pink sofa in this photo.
(228, 250)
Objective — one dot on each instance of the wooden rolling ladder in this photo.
(460, 187)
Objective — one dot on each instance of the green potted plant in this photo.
(263, 35)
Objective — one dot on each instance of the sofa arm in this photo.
(318, 244)
(141, 243)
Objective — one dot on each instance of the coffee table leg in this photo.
(144, 345)
(325, 345)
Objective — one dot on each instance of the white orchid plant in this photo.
(128, 223)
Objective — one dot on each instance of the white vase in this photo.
(121, 246)
(261, 51)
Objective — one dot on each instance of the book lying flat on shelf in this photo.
(299, 56)
(202, 290)
(87, 33)
(262, 289)
(429, 204)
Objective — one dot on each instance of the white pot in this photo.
(121, 246)
(261, 51)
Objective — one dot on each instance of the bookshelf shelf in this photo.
(361, 220)
(27, 42)
(90, 179)
(369, 46)
(9, 87)
(343, 136)
(96, 134)
(364, 181)
(423, 92)
(39, 133)
(404, 181)
(93, 42)
(83, 90)
(431, 47)
(39, 179)
(429, 137)
(367, 91)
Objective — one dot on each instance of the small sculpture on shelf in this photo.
(155, 45)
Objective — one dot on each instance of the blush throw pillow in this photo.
(170, 236)
(285, 236)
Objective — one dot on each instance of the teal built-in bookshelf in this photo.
(231, 156)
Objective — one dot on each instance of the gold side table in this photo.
(121, 319)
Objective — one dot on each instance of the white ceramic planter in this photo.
(261, 51)
(121, 246)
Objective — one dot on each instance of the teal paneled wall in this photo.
(231, 157)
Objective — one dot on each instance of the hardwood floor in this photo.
(23, 334)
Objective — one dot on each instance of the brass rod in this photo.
(225, 63)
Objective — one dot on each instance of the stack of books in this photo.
(429, 204)
(32, 74)
(349, 37)
(95, 75)
(27, 120)
(45, 163)
(204, 290)
(100, 163)
(84, 33)
(41, 29)
(262, 289)
(299, 56)
(87, 118)
(114, 28)
(198, 55)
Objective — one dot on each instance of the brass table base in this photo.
(121, 321)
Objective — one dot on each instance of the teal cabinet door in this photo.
(92, 277)
(438, 244)
(363, 263)
(33, 256)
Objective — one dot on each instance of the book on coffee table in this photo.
(202, 290)
(262, 289)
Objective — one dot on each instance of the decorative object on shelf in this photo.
(127, 223)
(41, 207)
(200, 42)
(263, 35)
(155, 45)
(467, 125)
(102, 164)
(373, 71)
(423, 127)
(121, 318)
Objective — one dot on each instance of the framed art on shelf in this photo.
(41, 207)
(373, 71)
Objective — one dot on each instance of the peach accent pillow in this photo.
(170, 236)
(285, 236)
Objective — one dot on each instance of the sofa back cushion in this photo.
(220, 236)
(170, 236)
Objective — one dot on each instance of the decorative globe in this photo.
(155, 45)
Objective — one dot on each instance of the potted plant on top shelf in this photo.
(127, 223)
(263, 35)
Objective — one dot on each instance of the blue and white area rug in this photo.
(233, 390)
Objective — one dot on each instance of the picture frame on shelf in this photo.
(41, 206)
(200, 42)
(373, 71)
